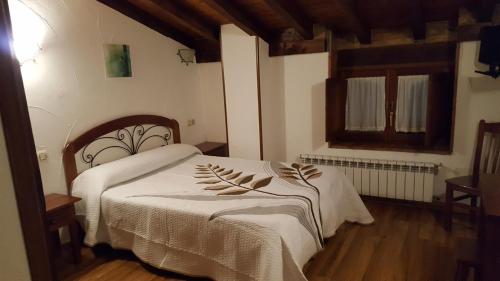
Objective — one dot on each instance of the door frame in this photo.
(22, 156)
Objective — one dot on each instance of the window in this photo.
(396, 108)
(365, 105)
(411, 105)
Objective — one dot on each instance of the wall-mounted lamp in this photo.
(28, 29)
(187, 55)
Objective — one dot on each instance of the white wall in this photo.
(239, 57)
(13, 260)
(211, 89)
(272, 92)
(68, 92)
(304, 76)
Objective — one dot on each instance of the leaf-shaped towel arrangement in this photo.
(233, 176)
(209, 182)
(303, 173)
(244, 179)
(233, 183)
(218, 187)
(311, 171)
(261, 183)
(214, 174)
(234, 192)
(300, 172)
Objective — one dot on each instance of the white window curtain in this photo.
(365, 105)
(411, 108)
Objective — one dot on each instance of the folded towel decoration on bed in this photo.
(228, 182)
(224, 218)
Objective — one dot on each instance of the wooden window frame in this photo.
(388, 139)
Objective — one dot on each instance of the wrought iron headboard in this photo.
(127, 134)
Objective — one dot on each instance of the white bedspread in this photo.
(167, 206)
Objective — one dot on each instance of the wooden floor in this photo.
(404, 244)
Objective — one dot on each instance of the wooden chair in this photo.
(486, 160)
(463, 268)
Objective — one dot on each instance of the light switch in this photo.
(42, 155)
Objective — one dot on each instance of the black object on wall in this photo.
(490, 50)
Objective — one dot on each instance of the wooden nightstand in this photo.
(60, 212)
(213, 148)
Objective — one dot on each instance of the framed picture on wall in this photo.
(117, 60)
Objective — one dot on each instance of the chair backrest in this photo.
(487, 157)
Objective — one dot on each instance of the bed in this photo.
(222, 218)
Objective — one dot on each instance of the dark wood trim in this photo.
(332, 56)
(72, 147)
(22, 157)
(230, 11)
(188, 20)
(454, 106)
(407, 54)
(358, 26)
(388, 147)
(148, 20)
(433, 67)
(479, 149)
(224, 92)
(205, 55)
(470, 32)
(436, 60)
(418, 25)
(259, 98)
(454, 15)
(213, 148)
(292, 15)
(286, 48)
(484, 10)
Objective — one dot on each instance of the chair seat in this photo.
(465, 181)
(464, 184)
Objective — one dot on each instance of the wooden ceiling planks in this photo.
(179, 18)
(280, 15)
(485, 9)
(417, 20)
(196, 23)
(240, 17)
(145, 18)
(357, 25)
(205, 11)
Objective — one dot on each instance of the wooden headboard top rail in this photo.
(73, 147)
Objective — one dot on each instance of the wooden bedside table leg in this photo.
(55, 242)
(75, 241)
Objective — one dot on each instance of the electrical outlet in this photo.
(191, 122)
(42, 155)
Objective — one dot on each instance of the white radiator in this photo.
(412, 181)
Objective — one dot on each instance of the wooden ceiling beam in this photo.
(417, 19)
(148, 20)
(180, 16)
(317, 45)
(358, 27)
(233, 14)
(484, 10)
(454, 15)
(292, 15)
